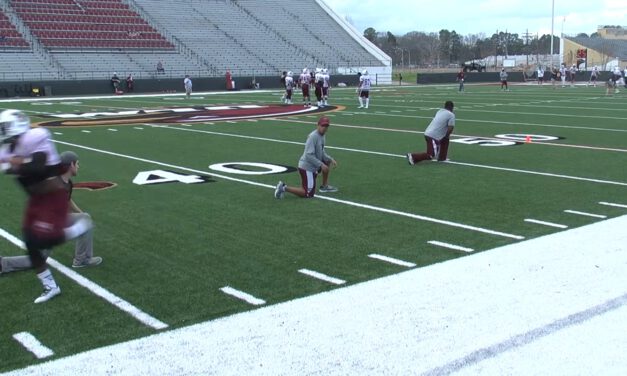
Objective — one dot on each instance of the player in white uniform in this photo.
(289, 87)
(305, 81)
(563, 74)
(540, 75)
(319, 83)
(573, 75)
(365, 82)
(594, 76)
(187, 82)
(325, 86)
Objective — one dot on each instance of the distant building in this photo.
(606, 49)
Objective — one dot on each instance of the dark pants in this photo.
(435, 148)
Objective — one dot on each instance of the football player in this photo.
(305, 81)
(319, 82)
(30, 155)
(364, 89)
(594, 76)
(573, 75)
(187, 83)
(460, 78)
(437, 136)
(282, 80)
(503, 77)
(326, 86)
(314, 160)
(540, 75)
(289, 87)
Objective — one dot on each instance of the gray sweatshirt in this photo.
(314, 155)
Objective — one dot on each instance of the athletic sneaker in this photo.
(279, 192)
(48, 294)
(410, 159)
(91, 262)
(360, 107)
(328, 189)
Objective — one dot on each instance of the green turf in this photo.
(168, 248)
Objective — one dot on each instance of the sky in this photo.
(482, 16)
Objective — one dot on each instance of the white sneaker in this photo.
(360, 107)
(328, 189)
(48, 294)
(410, 159)
(279, 192)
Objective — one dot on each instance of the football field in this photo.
(181, 193)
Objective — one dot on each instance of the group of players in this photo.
(320, 80)
(568, 76)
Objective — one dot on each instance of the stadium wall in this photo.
(473, 77)
(98, 87)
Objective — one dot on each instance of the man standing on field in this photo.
(437, 136)
(314, 160)
(187, 82)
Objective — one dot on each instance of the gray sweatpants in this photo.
(83, 251)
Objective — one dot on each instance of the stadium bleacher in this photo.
(88, 24)
(10, 37)
(91, 39)
(262, 35)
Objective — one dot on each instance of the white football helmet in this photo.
(365, 72)
(318, 70)
(13, 123)
(305, 70)
(290, 74)
(324, 70)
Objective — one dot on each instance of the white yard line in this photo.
(613, 204)
(591, 180)
(499, 312)
(32, 344)
(86, 131)
(544, 223)
(322, 277)
(495, 122)
(585, 214)
(450, 246)
(345, 202)
(96, 289)
(599, 181)
(138, 128)
(395, 130)
(392, 260)
(242, 296)
(112, 130)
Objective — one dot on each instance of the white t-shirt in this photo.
(440, 123)
(289, 83)
(365, 82)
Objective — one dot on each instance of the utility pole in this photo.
(552, 30)
(527, 36)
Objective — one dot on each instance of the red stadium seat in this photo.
(88, 24)
(10, 37)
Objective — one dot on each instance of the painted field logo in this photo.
(174, 115)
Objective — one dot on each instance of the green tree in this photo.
(370, 34)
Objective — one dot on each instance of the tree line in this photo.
(444, 48)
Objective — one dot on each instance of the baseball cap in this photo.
(324, 121)
(68, 157)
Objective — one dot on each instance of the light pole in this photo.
(552, 29)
